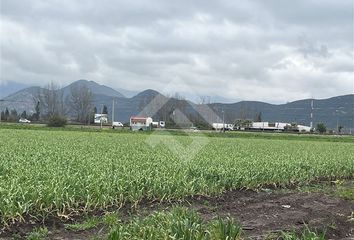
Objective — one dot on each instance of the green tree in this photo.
(92, 115)
(258, 117)
(56, 121)
(36, 115)
(6, 114)
(105, 110)
(13, 115)
(321, 128)
(24, 114)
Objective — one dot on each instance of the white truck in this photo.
(221, 126)
(160, 124)
(117, 124)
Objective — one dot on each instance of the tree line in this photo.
(52, 102)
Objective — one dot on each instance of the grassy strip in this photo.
(343, 188)
(177, 223)
(238, 134)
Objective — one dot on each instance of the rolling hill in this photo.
(332, 111)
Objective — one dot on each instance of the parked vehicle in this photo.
(194, 129)
(278, 126)
(223, 126)
(24, 120)
(117, 124)
(160, 124)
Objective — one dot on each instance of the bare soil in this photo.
(260, 213)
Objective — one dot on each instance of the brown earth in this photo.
(260, 213)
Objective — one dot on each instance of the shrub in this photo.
(321, 128)
(56, 121)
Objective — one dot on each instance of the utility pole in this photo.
(1, 100)
(337, 130)
(101, 114)
(0, 115)
(112, 112)
(311, 114)
(223, 120)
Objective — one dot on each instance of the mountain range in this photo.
(333, 111)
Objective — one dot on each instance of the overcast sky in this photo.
(273, 50)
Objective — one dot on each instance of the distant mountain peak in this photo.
(148, 92)
(95, 88)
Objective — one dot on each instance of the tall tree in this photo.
(6, 114)
(244, 112)
(51, 99)
(105, 110)
(13, 115)
(80, 102)
(24, 114)
(258, 117)
(36, 115)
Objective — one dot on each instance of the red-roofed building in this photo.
(140, 123)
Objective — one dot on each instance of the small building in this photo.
(101, 117)
(140, 123)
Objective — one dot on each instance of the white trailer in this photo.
(221, 126)
(160, 124)
(278, 126)
(275, 126)
(303, 128)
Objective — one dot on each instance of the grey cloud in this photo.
(254, 48)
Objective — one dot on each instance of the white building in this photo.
(140, 123)
(101, 117)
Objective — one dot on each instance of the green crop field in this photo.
(67, 172)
